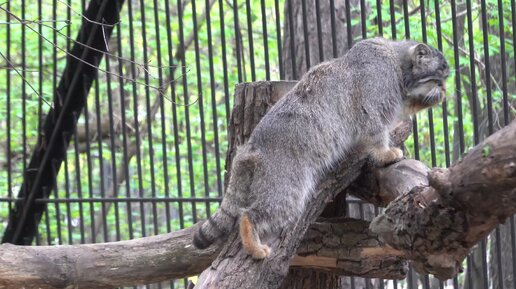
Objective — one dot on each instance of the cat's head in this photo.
(424, 76)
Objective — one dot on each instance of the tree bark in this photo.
(437, 225)
(346, 247)
(309, 278)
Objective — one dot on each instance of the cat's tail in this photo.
(217, 227)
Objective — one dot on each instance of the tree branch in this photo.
(346, 247)
(437, 224)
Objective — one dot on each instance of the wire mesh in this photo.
(147, 155)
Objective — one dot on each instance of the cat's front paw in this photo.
(386, 157)
(263, 251)
(396, 154)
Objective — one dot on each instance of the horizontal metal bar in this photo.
(115, 200)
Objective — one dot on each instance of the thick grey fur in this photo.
(345, 102)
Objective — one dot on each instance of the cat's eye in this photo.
(430, 78)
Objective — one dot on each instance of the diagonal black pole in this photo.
(59, 126)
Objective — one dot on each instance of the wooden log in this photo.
(343, 248)
(437, 224)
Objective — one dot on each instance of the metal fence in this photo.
(147, 156)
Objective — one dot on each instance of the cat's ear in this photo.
(419, 52)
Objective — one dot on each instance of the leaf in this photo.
(486, 150)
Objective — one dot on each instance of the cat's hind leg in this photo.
(251, 239)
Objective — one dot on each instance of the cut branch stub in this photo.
(349, 248)
(437, 225)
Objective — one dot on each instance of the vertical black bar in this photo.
(56, 204)
(487, 73)
(305, 35)
(54, 58)
(379, 18)
(362, 217)
(349, 29)
(406, 18)
(513, 246)
(513, 9)
(172, 68)
(250, 40)
(469, 271)
(214, 101)
(78, 184)
(164, 158)
(265, 41)
(237, 39)
(38, 236)
(363, 18)
(483, 247)
(410, 277)
(319, 31)
(458, 93)
(333, 28)
(503, 65)
(24, 91)
(112, 135)
(47, 225)
(200, 101)
(187, 112)
(164, 144)
(499, 267)
(8, 107)
(278, 39)
(423, 21)
(290, 12)
(224, 58)
(150, 118)
(101, 162)
(430, 111)
(135, 111)
(444, 103)
(90, 172)
(185, 92)
(473, 81)
(456, 283)
(393, 18)
(125, 137)
(40, 69)
(68, 206)
(426, 282)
